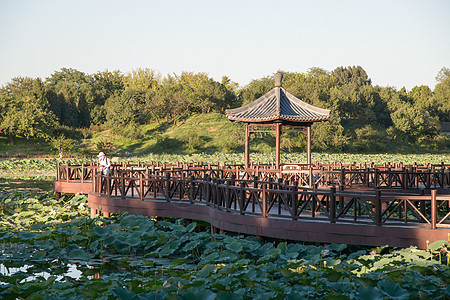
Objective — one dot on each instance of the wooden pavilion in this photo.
(278, 111)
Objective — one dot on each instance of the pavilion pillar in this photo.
(277, 145)
(308, 144)
(308, 154)
(247, 146)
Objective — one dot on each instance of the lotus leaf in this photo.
(392, 289)
(101, 231)
(197, 294)
(206, 270)
(438, 245)
(229, 296)
(335, 297)
(169, 248)
(226, 266)
(133, 240)
(78, 254)
(191, 227)
(235, 246)
(370, 293)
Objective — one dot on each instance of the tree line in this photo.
(364, 117)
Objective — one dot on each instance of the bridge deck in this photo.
(400, 215)
(311, 230)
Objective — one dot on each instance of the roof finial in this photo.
(278, 79)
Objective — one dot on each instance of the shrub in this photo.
(436, 142)
(105, 146)
(131, 131)
(61, 141)
(193, 140)
(233, 141)
(369, 138)
(68, 132)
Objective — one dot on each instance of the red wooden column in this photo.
(308, 153)
(277, 145)
(308, 144)
(247, 146)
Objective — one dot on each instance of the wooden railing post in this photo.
(191, 190)
(98, 183)
(227, 195)
(167, 187)
(433, 209)
(366, 177)
(58, 174)
(217, 200)
(241, 197)
(67, 172)
(94, 185)
(208, 190)
(389, 174)
(264, 201)
(294, 201)
(342, 176)
(341, 199)
(82, 173)
(404, 179)
(378, 212)
(122, 184)
(108, 184)
(333, 204)
(141, 186)
(375, 177)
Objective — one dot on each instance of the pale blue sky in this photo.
(398, 43)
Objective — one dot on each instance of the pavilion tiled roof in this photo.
(278, 104)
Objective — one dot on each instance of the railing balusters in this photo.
(280, 197)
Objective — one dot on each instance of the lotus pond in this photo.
(51, 249)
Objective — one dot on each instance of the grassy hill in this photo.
(201, 133)
(207, 133)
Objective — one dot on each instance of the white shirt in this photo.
(104, 164)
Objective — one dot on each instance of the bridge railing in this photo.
(278, 199)
(345, 176)
(76, 173)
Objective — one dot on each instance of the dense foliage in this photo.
(50, 249)
(364, 117)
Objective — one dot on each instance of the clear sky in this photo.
(398, 43)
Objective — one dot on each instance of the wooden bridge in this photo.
(362, 204)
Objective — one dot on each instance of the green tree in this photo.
(142, 80)
(441, 100)
(72, 97)
(313, 88)
(353, 77)
(443, 74)
(202, 93)
(129, 106)
(329, 135)
(25, 111)
(255, 89)
(414, 122)
(369, 138)
(104, 85)
(230, 97)
(125, 108)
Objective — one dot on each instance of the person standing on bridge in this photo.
(104, 163)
